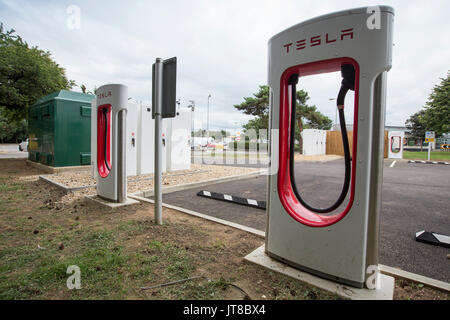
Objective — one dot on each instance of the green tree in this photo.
(11, 129)
(26, 74)
(307, 116)
(257, 124)
(416, 127)
(199, 133)
(257, 105)
(218, 135)
(437, 110)
(85, 90)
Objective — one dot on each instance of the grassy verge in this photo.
(434, 156)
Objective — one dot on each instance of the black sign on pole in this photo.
(169, 88)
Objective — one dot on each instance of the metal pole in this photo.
(335, 116)
(207, 126)
(121, 156)
(207, 120)
(192, 125)
(429, 151)
(192, 122)
(158, 141)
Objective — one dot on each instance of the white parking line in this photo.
(393, 164)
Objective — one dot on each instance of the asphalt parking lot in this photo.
(415, 197)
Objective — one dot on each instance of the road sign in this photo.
(429, 136)
(169, 84)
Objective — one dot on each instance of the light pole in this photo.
(335, 117)
(207, 119)
(192, 106)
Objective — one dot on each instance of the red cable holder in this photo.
(285, 192)
(103, 170)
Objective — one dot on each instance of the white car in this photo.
(23, 146)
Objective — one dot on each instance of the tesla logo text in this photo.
(104, 95)
(318, 40)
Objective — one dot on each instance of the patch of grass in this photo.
(9, 187)
(99, 258)
(174, 260)
(132, 227)
(434, 156)
(17, 257)
(218, 244)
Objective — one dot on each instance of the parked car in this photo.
(23, 146)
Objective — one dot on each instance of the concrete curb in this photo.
(112, 205)
(14, 158)
(385, 292)
(49, 169)
(63, 187)
(398, 273)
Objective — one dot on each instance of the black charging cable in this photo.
(105, 114)
(348, 83)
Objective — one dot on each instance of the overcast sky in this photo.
(221, 47)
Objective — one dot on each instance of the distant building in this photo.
(396, 128)
(337, 127)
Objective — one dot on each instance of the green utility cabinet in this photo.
(59, 127)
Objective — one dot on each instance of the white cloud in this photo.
(221, 47)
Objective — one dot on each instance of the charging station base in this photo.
(106, 203)
(386, 291)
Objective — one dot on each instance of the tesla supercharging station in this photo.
(333, 243)
(111, 113)
(395, 140)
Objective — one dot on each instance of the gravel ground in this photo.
(197, 173)
(321, 158)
